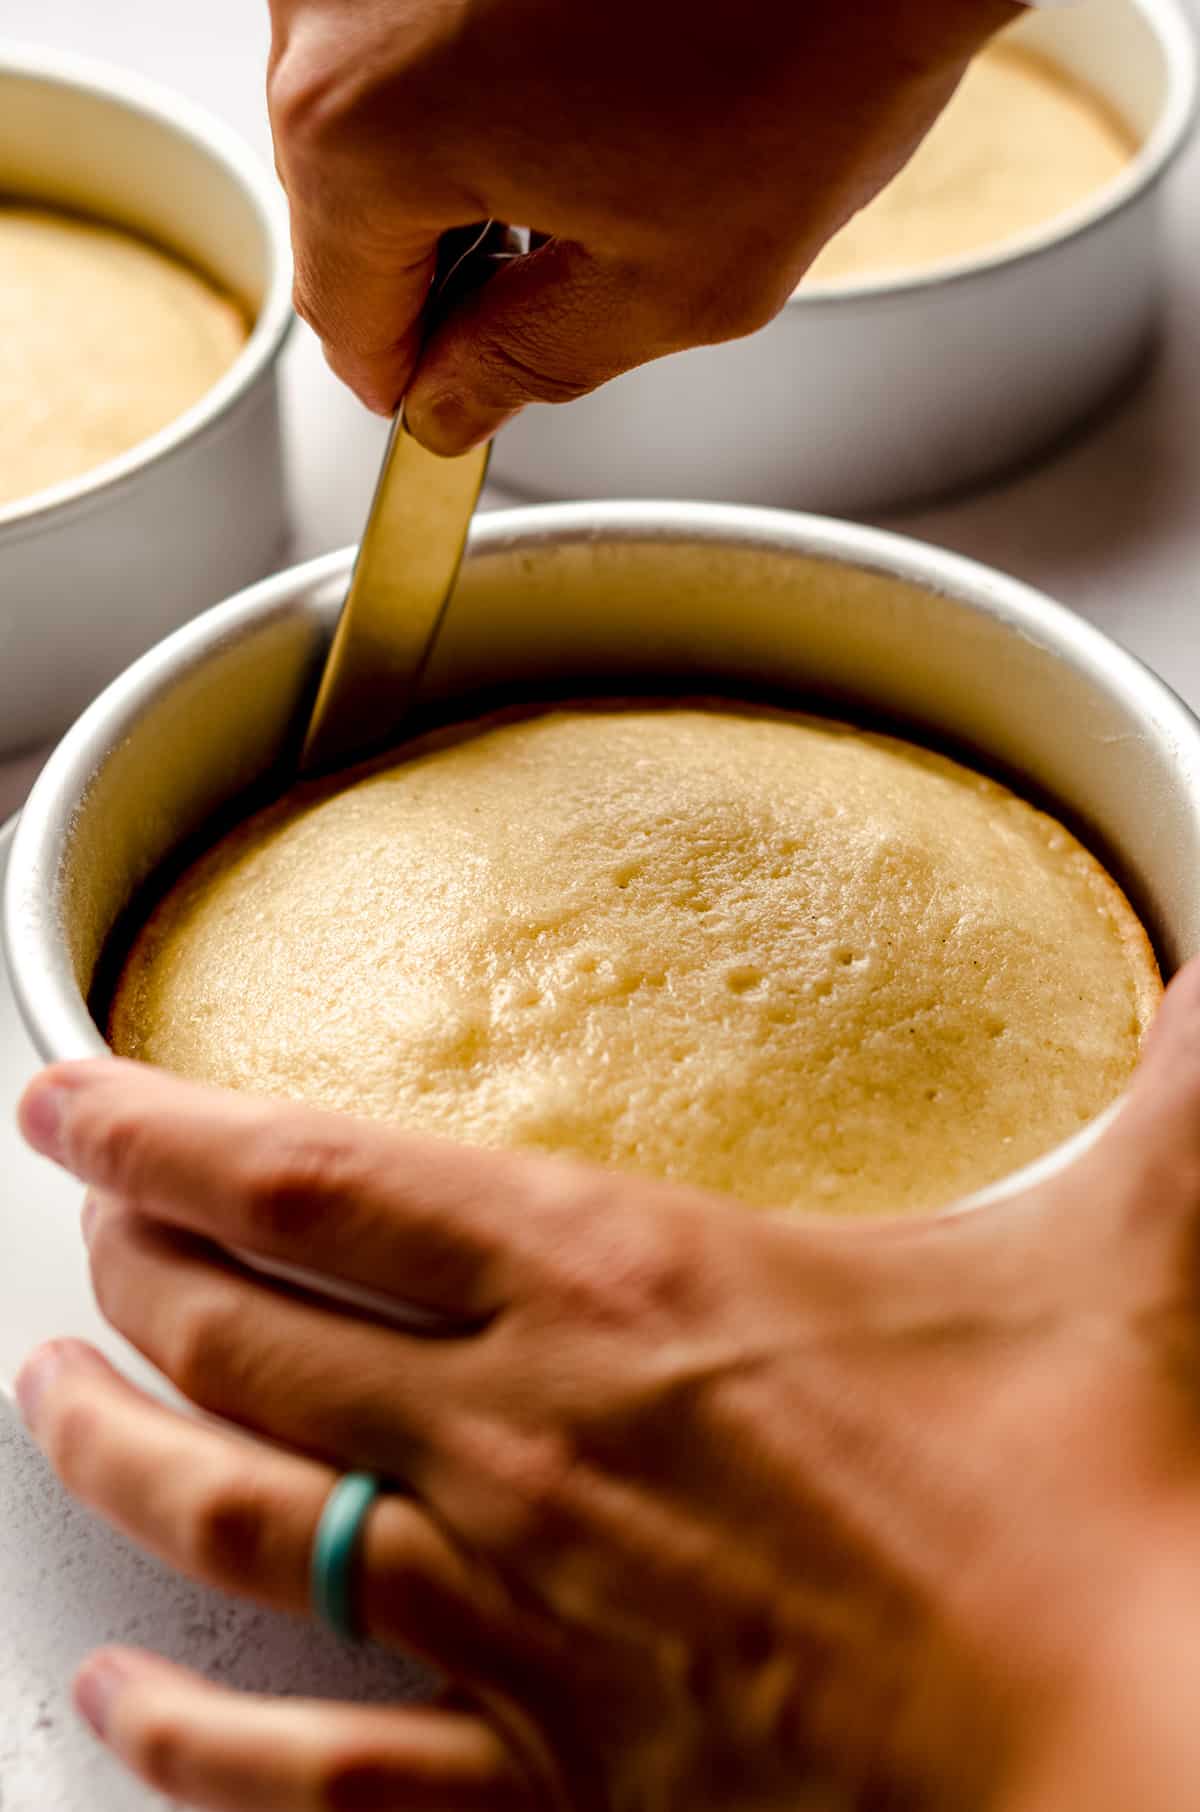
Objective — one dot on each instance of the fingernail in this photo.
(41, 1116)
(98, 1685)
(36, 1375)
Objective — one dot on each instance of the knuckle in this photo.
(533, 1478)
(227, 1535)
(156, 1746)
(198, 1350)
(517, 370)
(307, 306)
(732, 313)
(325, 296)
(116, 1147)
(614, 1271)
(739, 299)
(367, 374)
(314, 301)
(306, 101)
(354, 1779)
(664, 1269)
(289, 1181)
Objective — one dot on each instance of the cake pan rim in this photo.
(1151, 163)
(49, 999)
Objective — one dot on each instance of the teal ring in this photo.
(335, 1552)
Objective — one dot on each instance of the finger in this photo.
(362, 291)
(206, 1747)
(1164, 1102)
(430, 1222)
(1153, 1144)
(553, 325)
(326, 1382)
(243, 1517)
(366, 310)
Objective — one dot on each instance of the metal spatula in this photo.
(408, 558)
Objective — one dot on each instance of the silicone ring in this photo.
(335, 1551)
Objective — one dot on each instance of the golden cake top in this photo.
(103, 340)
(769, 954)
(1021, 144)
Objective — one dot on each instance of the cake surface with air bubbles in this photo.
(104, 340)
(772, 955)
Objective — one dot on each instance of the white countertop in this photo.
(1111, 526)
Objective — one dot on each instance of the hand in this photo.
(696, 1507)
(686, 161)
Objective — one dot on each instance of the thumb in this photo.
(1157, 1133)
(547, 328)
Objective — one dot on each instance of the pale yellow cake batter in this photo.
(769, 954)
(1020, 144)
(103, 341)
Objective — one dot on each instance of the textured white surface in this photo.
(1111, 526)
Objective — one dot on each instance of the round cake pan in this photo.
(869, 396)
(94, 570)
(634, 596)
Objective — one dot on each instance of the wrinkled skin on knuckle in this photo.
(199, 1348)
(360, 1417)
(116, 1145)
(605, 1269)
(357, 87)
(290, 1179)
(514, 1488)
(156, 1745)
(354, 1779)
(227, 1533)
(309, 95)
(318, 291)
(519, 368)
(306, 305)
(357, 372)
(322, 309)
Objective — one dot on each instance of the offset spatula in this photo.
(408, 558)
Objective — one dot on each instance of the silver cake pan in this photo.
(638, 596)
(867, 396)
(94, 570)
